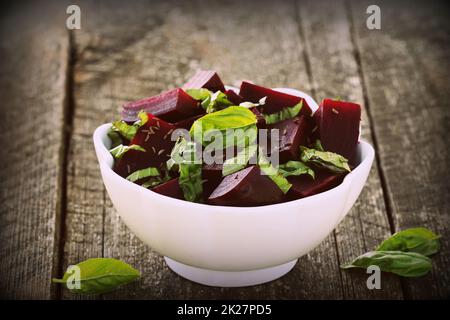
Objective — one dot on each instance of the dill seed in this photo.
(160, 152)
(153, 149)
(314, 129)
(128, 168)
(334, 111)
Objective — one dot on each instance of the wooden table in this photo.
(57, 86)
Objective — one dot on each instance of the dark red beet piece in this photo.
(293, 133)
(170, 188)
(172, 106)
(246, 188)
(275, 100)
(234, 97)
(186, 123)
(155, 138)
(338, 127)
(305, 186)
(212, 176)
(207, 79)
(261, 124)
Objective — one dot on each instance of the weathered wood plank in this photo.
(134, 52)
(34, 51)
(334, 73)
(406, 66)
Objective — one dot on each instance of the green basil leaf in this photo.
(200, 94)
(115, 137)
(295, 168)
(419, 240)
(233, 117)
(239, 162)
(129, 131)
(100, 275)
(184, 157)
(329, 160)
(318, 146)
(218, 102)
(120, 150)
(284, 114)
(266, 167)
(190, 181)
(143, 173)
(405, 264)
(155, 181)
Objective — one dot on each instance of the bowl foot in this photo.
(216, 278)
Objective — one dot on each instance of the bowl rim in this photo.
(104, 157)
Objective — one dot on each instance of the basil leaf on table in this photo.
(419, 240)
(129, 131)
(120, 150)
(100, 275)
(329, 160)
(295, 168)
(405, 264)
(143, 173)
(284, 114)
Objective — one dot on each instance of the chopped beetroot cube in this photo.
(305, 185)
(261, 121)
(246, 188)
(186, 123)
(234, 97)
(205, 79)
(292, 133)
(170, 188)
(155, 138)
(212, 176)
(275, 100)
(338, 127)
(171, 106)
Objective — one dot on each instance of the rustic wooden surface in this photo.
(55, 210)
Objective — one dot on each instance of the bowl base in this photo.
(216, 278)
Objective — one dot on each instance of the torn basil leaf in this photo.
(295, 168)
(329, 160)
(284, 114)
(318, 146)
(210, 101)
(156, 181)
(233, 117)
(120, 150)
(405, 264)
(239, 162)
(115, 137)
(129, 131)
(419, 240)
(98, 275)
(266, 167)
(143, 173)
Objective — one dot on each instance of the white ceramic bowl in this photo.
(230, 246)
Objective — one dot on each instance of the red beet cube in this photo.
(234, 97)
(292, 133)
(186, 123)
(171, 106)
(275, 100)
(155, 138)
(338, 127)
(246, 188)
(170, 188)
(261, 121)
(212, 176)
(205, 79)
(305, 185)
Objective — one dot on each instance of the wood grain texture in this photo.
(131, 53)
(34, 56)
(334, 72)
(406, 67)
